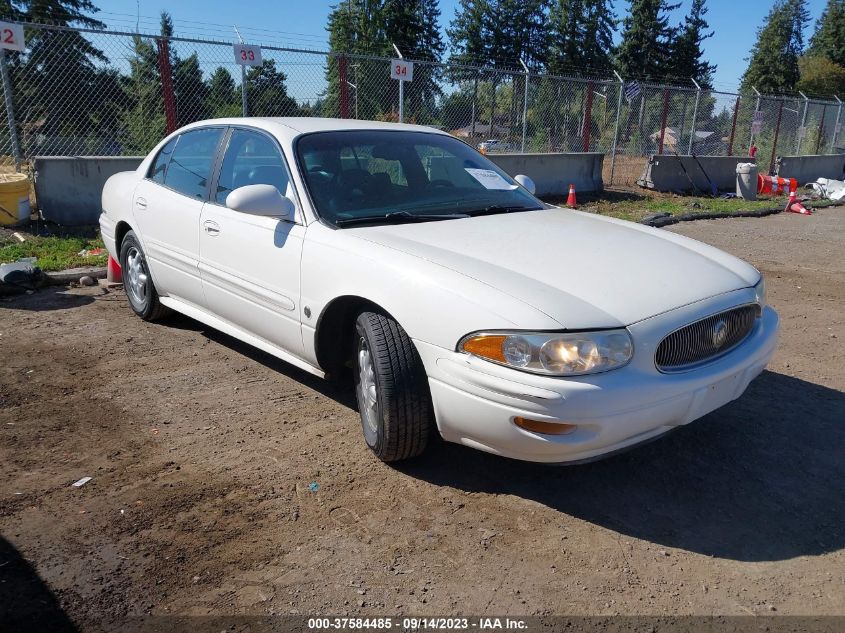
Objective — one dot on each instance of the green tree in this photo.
(773, 64)
(223, 99)
(828, 40)
(687, 56)
(144, 120)
(580, 37)
(57, 63)
(412, 25)
(645, 49)
(820, 76)
(266, 91)
(499, 33)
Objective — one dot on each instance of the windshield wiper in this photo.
(500, 208)
(399, 217)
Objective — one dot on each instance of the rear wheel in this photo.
(140, 290)
(392, 389)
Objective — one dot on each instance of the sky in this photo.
(301, 23)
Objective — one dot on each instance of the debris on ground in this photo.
(86, 280)
(20, 276)
(313, 486)
(81, 482)
(827, 188)
(91, 252)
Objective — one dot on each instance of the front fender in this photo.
(433, 304)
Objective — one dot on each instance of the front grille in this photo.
(706, 339)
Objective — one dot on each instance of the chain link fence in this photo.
(87, 92)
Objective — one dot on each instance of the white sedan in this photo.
(457, 301)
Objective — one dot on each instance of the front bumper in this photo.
(475, 401)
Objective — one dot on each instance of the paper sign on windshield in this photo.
(490, 179)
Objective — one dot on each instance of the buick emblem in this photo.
(719, 334)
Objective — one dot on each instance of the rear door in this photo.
(249, 264)
(167, 206)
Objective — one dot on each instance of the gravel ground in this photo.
(202, 454)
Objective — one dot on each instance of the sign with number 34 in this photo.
(247, 54)
(11, 36)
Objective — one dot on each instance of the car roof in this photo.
(294, 126)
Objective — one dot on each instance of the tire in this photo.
(392, 389)
(140, 290)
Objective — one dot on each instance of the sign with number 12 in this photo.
(247, 55)
(11, 36)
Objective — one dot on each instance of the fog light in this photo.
(547, 428)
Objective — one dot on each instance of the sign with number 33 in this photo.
(247, 55)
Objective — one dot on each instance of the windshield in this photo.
(368, 175)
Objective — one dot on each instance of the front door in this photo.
(249, 264)
(167, 206)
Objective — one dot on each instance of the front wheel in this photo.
(142, 295)
(392, 389)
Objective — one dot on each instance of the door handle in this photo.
(212, 228)
(141, 203)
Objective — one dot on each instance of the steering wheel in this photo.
(440, 182)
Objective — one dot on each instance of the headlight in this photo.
(553, 354)
(760, 292)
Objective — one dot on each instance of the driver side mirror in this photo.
(526, 182)
(262, 200)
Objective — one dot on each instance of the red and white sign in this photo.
(401, 70)
(11, 36)
(247, 54)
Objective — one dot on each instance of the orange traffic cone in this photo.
(113, 272)
(570, 201)
(793, 205)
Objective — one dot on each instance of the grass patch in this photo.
(53, 252)
(634, 206)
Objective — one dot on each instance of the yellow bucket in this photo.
(14, 199)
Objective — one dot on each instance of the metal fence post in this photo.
(588, 116)
(694, 115)
(733, 127)
(616, 126)
(344, 87)
(663, 118)
(801, 131)
(10, 113)
(166, 72)
(474, 103)
(401, 89)
(775, 141)
(244, 104)
(756, 109)
(524, 107)
(837, 124)
(821, 128)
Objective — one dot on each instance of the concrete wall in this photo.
(665, 172)
(553, 173)
(68, 188)
(810, 168)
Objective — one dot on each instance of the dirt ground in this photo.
(202, 454)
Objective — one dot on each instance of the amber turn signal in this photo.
(487, 346)
(547, 428)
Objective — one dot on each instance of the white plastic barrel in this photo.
(746, 181)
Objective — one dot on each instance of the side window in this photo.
(159, 166)
(191, 161)
(251, 159)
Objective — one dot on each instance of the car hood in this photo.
(583, 270)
